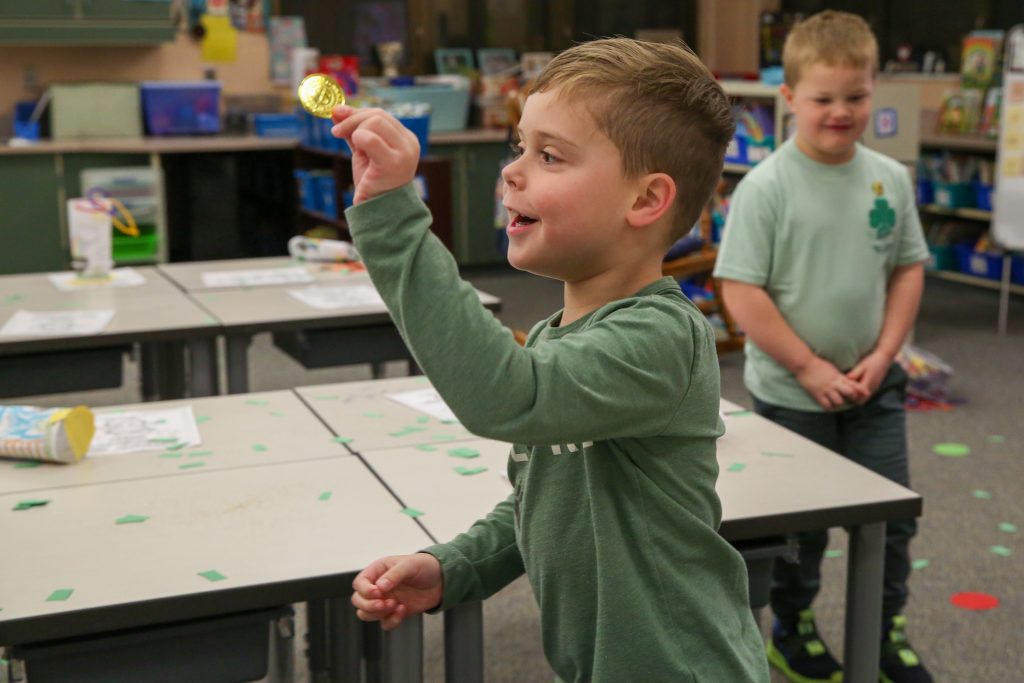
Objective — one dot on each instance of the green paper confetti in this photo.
(277, 413)
(737, 467)
(26, 464)
(212, 575)
(171, 454)
(1008, 527)
(426, 448)
(259, 448)
(920, 564)
(30, 503)
(997, 438)
(740, 413)
(464, 453)
(832, 554)
(342, 439)
(951, 450)
(131, 519)
(191, 465)
(326, 495)
(412, 512)
(177, 446)
(982, 494)
(442, 437)
(1001, 550)
(776, 454)
(203, 418)
(467, 471)
(373, 416)
(409, 429)
(423, 420)
(60, 595)
(200, 454)
(257, 402)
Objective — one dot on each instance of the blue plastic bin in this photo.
(449, 107)
(983, 196)
(328, 194)
(954, 195)
(420, 125)
(276, 125)
(181, 107)
(925, 191)
(979, 263)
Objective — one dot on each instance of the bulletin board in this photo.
(1008, 199)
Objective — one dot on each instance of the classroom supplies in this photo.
(320, 94)
(59, 435)
(313, 249)
(90, 227)
(170, 429)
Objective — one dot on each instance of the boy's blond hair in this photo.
(659, 105)
(831, 38)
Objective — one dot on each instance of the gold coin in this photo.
(319, 94)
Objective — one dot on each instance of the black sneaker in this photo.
(899, 663)
(800, 654)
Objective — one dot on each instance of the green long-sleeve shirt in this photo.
(614, 420)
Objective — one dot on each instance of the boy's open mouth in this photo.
(521, 221)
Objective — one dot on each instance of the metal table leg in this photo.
(317, 637)
(864, 603)
(345, 637)
(238, 362)
(403, 652)
(464, 643)
(203, 367)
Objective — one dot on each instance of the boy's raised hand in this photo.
(830, 387)
(384, 152)
(393, 588)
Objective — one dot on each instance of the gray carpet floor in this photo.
(965, 499)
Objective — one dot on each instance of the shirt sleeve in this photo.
(561, 392)
(482, 561)
(912, 247)
(745, 253)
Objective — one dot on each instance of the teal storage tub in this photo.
(449, 107)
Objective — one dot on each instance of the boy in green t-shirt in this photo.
(611, 406)
(822, 266)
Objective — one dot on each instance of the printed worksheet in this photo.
(144, 430)
(426, 401)
(119, 277)
(56, 323)
(331, 298)
(256, 278)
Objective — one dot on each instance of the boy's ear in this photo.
(787, 94)
(656, 194)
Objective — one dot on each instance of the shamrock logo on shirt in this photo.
(882, 217)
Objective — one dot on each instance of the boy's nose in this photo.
(511, 174)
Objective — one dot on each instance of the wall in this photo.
(248, 75)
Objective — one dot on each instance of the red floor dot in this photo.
(974, 601)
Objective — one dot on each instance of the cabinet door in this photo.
(31, 239)
(126, 9)
(37, 9)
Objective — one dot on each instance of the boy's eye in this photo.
(516, 148)
(547, 157)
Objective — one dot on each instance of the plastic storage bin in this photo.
(925, 191)
(983, 196)
(449, 107)
(1017, 269)
(181, 107)
(954, 195)
(276, 125)
(942, 257)
(979, 263)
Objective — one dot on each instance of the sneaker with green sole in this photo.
(800, 654)
(899, 663)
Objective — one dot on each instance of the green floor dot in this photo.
(1008, 527)
(1001, 550)
(833, 553)
(951, 450)
(920, 564)
(982, 494)
(997, 438)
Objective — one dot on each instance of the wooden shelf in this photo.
(964, 278)
(960, 143)
(972, 214)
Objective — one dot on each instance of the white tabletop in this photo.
(362, 412)
(238, 431)
(189, 276)
(279, 533)
(150, 310)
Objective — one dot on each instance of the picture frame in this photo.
(496, 60)
(453, 60)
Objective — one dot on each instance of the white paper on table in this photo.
(426, 401)
(119, 277)
(330, 298)
(251, 278)
(144, 430)
(56, 323)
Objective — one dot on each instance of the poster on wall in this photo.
(1008, 199)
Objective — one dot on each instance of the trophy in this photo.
(390, 54)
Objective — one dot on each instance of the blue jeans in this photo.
(873, 435)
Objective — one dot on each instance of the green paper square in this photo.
(412, 512)
(60, 595)
(464, 453)
(176, 447)
(212, 575)
(26, 464)
(423, 420)
(1001, 550)
(326, 495)
(737, 467)
(29, 503)
(203, 418)
(951, 450)
(277, 413)
(833, 553)
(131, 519)
(442, 437)
(997, 438)
(740, 413)
(191, 465)
(342, 439)
(920, 564)
(982, 494)
(1008, 527)
(467, 471)
(427, 448)
(259, 448)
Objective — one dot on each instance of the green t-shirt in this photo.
(614, 420)
(822, 240)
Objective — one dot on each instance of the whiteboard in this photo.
(1008, 196)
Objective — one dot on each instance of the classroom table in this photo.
(772, 482)
(355, 333)
(154, 314)
(277, 522)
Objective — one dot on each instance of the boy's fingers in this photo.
(358, 117)
(395, 619)
(364, 585)
(396, 575)
(373, 605)
(341, 112)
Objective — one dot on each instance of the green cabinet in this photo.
(475, 170)
(31, 238)
(86, 22)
